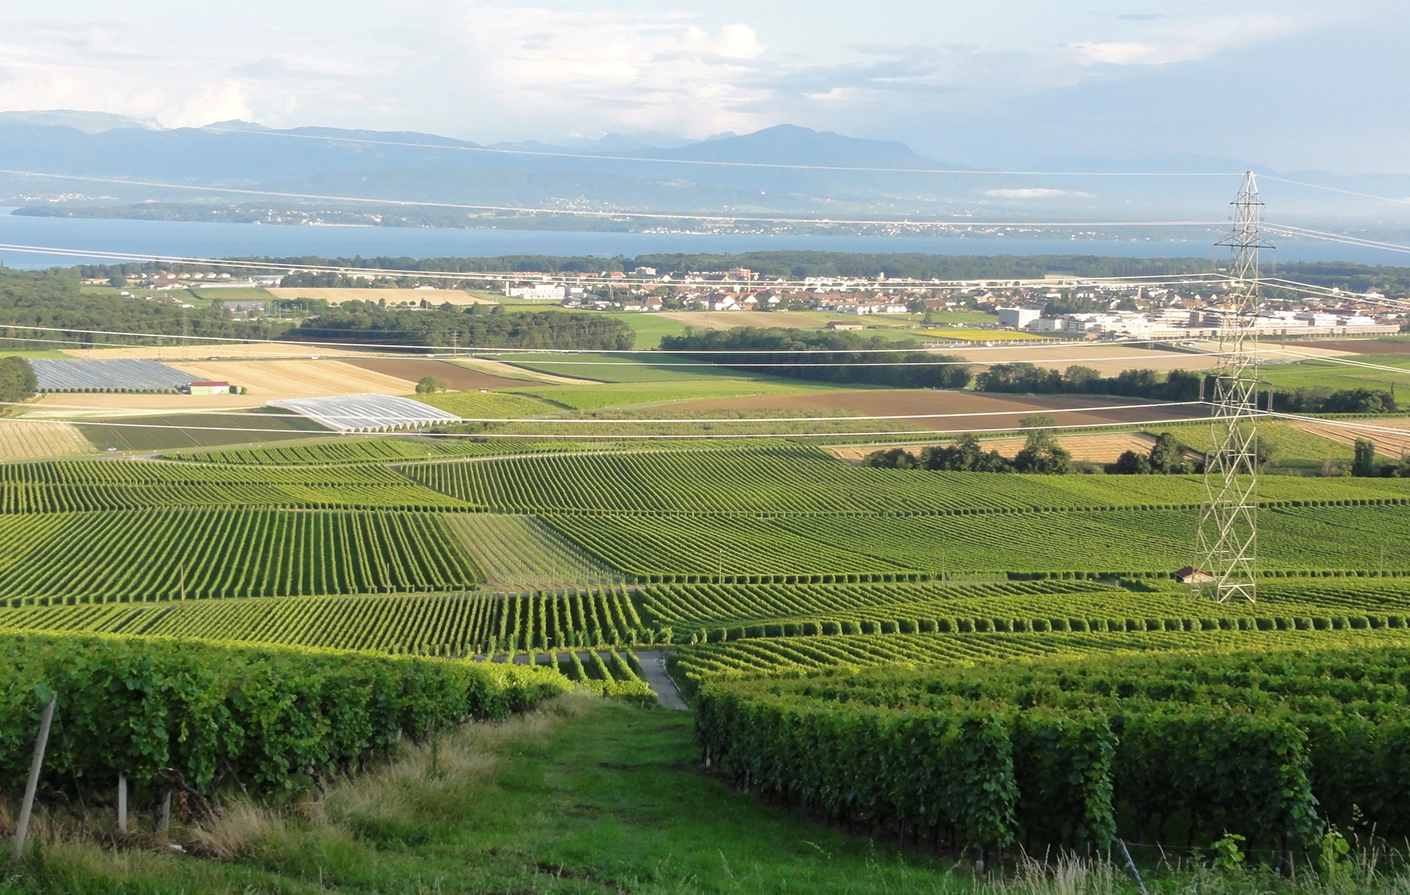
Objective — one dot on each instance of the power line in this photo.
(1103, 408)
(1333, 189)
(619, 437)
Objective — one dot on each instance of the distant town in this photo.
(1188, 307)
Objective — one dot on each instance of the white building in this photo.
(537, 292)
(1017, 318)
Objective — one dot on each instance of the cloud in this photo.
(1192, 40)
(222, 101)
(1035, 193)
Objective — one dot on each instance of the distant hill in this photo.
(725, 174)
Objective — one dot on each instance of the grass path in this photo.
(589, 796)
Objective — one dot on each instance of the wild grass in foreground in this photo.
(583, 796)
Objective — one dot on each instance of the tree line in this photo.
(1041, 454)
(841, 357)
(1031, 379)
(371, 323)
(17, 379)
(1177, 385)
(52, 299)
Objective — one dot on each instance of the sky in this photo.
(1291, 84)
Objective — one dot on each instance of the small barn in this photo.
(1191, 575)
(208, 387)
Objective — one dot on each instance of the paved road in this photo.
(654, 666)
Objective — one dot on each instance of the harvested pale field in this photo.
(523, 374)
(33, 440)
(451, 376)
(1104, 448)
(1393, 444)
(436, 297)
(954, 411)
(271, 379)
(76, 404)
(214, 351)
(1105, 359)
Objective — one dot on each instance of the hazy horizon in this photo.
(1001, 84)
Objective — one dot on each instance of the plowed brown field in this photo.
(452, 376)
(1364, 346)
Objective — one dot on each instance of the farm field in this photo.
(620, 367)
(957, 411)
(160, 554)
(451, 375)
(171, 431)
(300, 378)
(1313, 372)
(752, 565)
(1104, 448)
(35, 440)
(336, 295)
(451, 624)
(1363, 346)
(522, 553)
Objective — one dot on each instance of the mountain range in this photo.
(782, 169)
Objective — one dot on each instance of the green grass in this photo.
(649, 328)
(982, 335)
(491, 405)
(187, 430)
(35, 354)
(587, 796)
(649, 393)
(1339, 376)
(1291, 450)
(520, 552)
(142, 555)
(618, 367)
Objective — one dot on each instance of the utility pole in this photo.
(1227, 542)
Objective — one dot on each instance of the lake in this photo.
(197, 240)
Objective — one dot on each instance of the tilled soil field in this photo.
(452, 376)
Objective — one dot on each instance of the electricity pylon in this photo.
(1228, 529)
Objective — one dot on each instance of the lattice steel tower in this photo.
(1228, 529)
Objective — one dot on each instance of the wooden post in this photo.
(122, 803)
(164, 814)
(45, 720)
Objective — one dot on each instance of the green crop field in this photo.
(157, 554)
(457, 624)
(619, 367)
(521, 552)
(185, 430)
(776, 578)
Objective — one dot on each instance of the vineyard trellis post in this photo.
(1227, 540)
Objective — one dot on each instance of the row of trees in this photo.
(17, 380)
(842, 357)
(371, 323)
(1041, 455)
(1177, 385)
(1366, 465)
(1031, 379)
(52, 300)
